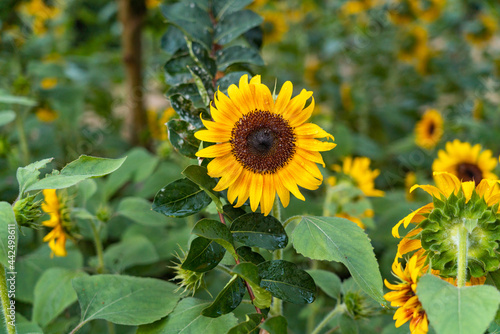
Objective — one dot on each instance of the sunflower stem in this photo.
(4, 295)
(98, 247)
(337, 310)
(462, 246)
(277, 306)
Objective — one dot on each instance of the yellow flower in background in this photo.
(427, 10)
(357, 219)
(404, 294)
(150, 4)
(48, 83)
(478, 109)
(429, 129)
(41, 14)
(352, 7)
(158, 125)
(465, 161)
(359, 170)
(413, 44)
(401, 13)
(274, 27)
(410, 180)
(264, 145)
(482, 30)
(46, 115)
(346, 96)
(58, 219)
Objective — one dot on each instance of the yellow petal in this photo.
(217, 167)
(283, 193)
(214, 151)
(302, 176)
(431, 190)
(289, 182)
(312, 130)
(268, 194)
(231, 174)
(447, 183)
(243, 188)
(256, 186)
(213, 136)
(296, 104)
(311, 156)
(314, 145)
(283, 98)
(302, 115)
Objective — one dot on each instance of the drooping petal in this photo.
(256, 186)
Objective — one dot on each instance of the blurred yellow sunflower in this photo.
(357, 219)
(359, 170)
(481, 30)
(346, 96)
(274, 26)
(427, 10)
(264, 145)
(413, 44)
(158, 125)
(404, 295)
(429, 129)
(151, 4)
(352, 7)
(410, 180)
(465, 161)
(46, 115)
(401, 13)
(48, 83)
(58, 213)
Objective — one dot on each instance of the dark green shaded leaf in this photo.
(130, 252)
(186, 318)
(246, 254)
(187, 112)
(327, 281)
(204, 84)
(202, 59)
(7, 116)
(216, 231)
(181, 136)
(467, 310)
(176, 68)
(233, 25)
(229, 79)
(191, 20)
(188, 91)
(231, 213)
(199, 175)
(124, 300)
(238, 54)
(228, 299)
(251, 323)
(338, 239)
(255, 229)
(276, 325)
(139, 210)
(204, 255)
(173, 40)
(250, 273)
(254, 37)
(287, 282)
(225, 7)
(180, 198)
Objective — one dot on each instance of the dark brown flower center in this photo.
(469, 172)
(432, 128)
(262, 142)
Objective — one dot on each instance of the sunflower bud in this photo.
(359, 305)
(189, 280)
(27, 211)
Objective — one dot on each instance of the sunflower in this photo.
(264, 145)
(158, 125)
(274, 27)
(427, 10)
(482, 30)
(414, 44)
(429, 130)
(402, 12)
(358, 169)
(48, 83)
(58, 213)
(353, 7)
(404, 295)
(46, 115)
(410, 180)
(346, 96)
(465, 161)
(357, 219)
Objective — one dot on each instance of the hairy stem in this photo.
(277, 306)
(98, 247)
(462, 246)
(23, 141)
(337, 310)
(4, 295)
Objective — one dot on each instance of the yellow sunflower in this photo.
(58, 218)
(482, 30)
(414, 44)
(46, 115)
(402, 12)
(274, 26)
(359, 170)
(427, 10)
(358, 220)
(465, 161)
(158, 125)
(48, 83)
(429, 129)
(404, 295)
(264, 145)
(353, 7)
(410, 180)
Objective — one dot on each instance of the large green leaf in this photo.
(250, 324)
(250, 273)
(124, 300)
(199, 175)
(257, 230)
(327, 281)
(216, 231)
(229, 79)
(9, 235)
(129, 252)
(188, 91)
(82, 168)
(27, 176)
(7, 116)
(180, 198)
(238, 54)
(338, 239)
(276, 325)
(233, 25)
(21, 100)
(186, 110)
(225, 7)
(176, 68)
(227, 300)
(246, 254)
(53, 293)
(173, 40)
(181, 136)
(452, 310)
(187, 319)
(204, 255)
(286, 281)
(139, 210)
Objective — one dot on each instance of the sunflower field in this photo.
(239, 166)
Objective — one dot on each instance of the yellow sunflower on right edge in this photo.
(358, 169)
(481, 30)
(465, 161)
(429, 129)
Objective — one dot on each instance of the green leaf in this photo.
(139, 210)
(233, 25)
(27, 176)
(54, 293)
(250, 273)
(327, 281)
(8, 250)
(130, 252)
(338, 239)
(257, 230)
(187, 318)
(204, 255)
(229, 79)
(83, 168)
(124, 300)
(231, 213)
(251, 323)
(227, 300)
(176, 68)
(287, 282)
(7, 116)
(199, 175)
(191, 20)
(347, 324)
(275, 325)
(246, 254)
(238, 54)
(173, 40)
(186, 111)
(24, 101)
(31, 267)
(181, 136)
(225, 7)
(188, 91)
(216, 231)
(180, 198)
(203, 82)
(467, 310)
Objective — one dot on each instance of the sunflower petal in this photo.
(214, 151)
(256, 186)
(212, 136)
(314, 145)
(312, 130)
(283, 98)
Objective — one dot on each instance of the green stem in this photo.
(277, 306)
(23, 142)
(4, 295)
(98, 247)
(462, 246)
(111, 327)
(337, 310)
